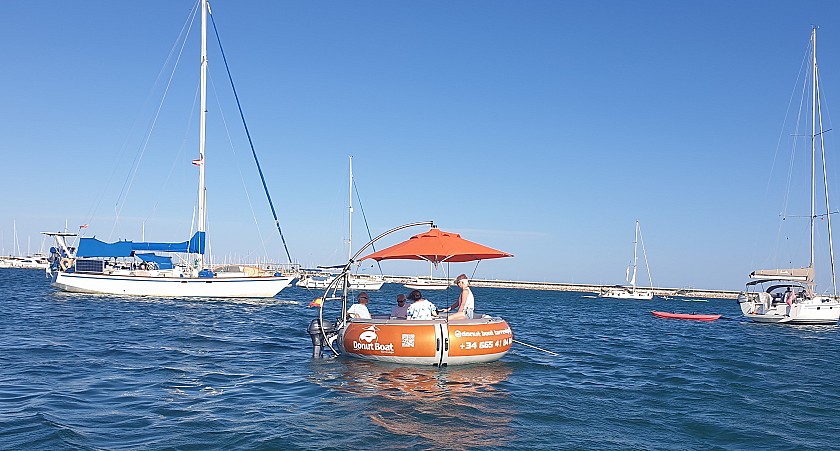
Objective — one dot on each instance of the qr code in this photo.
(408, 340)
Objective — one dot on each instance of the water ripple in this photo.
(110, 372)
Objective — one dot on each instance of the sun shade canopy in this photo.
(437, 246)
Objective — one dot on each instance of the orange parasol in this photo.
(437, 246)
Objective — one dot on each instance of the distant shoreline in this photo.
(585, 288)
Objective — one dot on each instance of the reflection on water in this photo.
(452, 407)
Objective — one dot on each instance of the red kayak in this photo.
(694, 316)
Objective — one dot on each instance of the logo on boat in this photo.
(481, 333)
(371, 343)
(369, 335)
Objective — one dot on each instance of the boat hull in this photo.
(427, 342)
(762, 308)
(426, 286)
(626, 294)
(690, 316)
(366, 284)
(362, 284)
(232, 287)
(314, 282)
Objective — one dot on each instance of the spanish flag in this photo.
(316, 303)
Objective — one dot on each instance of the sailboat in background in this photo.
(427, 283)
(320, 278)
(788, 295)
(16, 260)
(366, 282)
(133, 268)
(632, 292)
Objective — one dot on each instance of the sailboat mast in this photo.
(635, 255)
(819, 129)
(350, 215)
(202, 129)
(16, 249)
(813, 136)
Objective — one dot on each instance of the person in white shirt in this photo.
(420, 308)
(465, 305)
(400, 310)
(359, 310)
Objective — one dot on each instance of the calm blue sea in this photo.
(102, 372)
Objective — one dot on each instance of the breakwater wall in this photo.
(585, 288)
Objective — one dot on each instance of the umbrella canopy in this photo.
(437, 246)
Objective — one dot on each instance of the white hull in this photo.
(366, 285)
(761, 309)
(356, 283)
(232, 287)
(314, 282)
(24, 263)
(628, 294)
(426, 284)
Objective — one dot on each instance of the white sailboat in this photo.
(427, 283)
(788, 295)
(423, 284)
(18, 261)
(133, 268)
(631, 292)
(315, 278)
(362, 282)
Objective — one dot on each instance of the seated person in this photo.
(465, 305)
(359, 310)
(420, 308)
(400, 311)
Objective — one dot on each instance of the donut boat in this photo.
(438, 342)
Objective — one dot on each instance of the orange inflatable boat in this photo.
(439, 341)
(427, 342)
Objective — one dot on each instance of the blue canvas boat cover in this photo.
(91, 247)
(163, 262)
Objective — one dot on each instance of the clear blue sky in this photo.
(542, 128)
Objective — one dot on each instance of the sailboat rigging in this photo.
(632, 292)
(321, 277)
(788, 295)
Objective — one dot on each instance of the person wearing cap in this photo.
(420, 308)
(359, 309)
(400, 311)
(465, 305)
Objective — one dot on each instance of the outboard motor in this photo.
(317, 337)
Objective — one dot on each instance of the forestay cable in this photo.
(250, 142)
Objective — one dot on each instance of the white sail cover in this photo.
(795, 274)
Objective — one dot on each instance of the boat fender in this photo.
(65, 264)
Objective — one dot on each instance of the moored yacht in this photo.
(167, 269)
(631, 292)
(788, 295)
